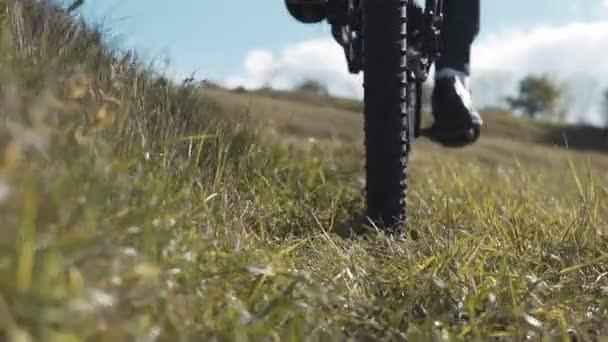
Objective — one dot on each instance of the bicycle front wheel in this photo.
(389, 109)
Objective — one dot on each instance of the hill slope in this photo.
(136, 209)
(505, 139)
(306, 114)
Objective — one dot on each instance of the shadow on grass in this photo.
(585, 138)
(358, 226)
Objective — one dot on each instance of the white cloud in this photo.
(575, 53)
(320, 59)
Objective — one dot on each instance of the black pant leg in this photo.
(460, 27)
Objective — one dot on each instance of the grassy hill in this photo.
(506, 140)
(133, 208)
(309, 115)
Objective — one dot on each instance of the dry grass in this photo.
(314, 116)
(132, 208)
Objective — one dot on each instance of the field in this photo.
(133, 208)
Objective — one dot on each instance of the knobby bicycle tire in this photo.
(389, 110)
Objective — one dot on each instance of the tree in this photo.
(313, 86)
(537, 94)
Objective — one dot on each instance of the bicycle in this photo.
(394, 43)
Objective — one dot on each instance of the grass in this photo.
(133, 208)
(307, 97)
(315, 116)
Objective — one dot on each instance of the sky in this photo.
(253, 43)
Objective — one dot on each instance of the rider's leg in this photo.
(460, 28)
(456, 121)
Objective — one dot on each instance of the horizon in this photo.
(226, 43)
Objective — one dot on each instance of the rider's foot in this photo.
(457, 123)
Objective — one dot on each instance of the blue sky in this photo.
(214, 36)
(255, 42)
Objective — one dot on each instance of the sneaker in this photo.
(456, 123)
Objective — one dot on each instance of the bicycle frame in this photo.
(423, 30)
